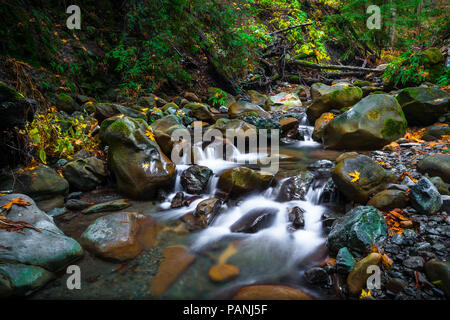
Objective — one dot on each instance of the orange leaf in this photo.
(17, 201)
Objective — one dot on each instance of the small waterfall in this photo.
(306, 130)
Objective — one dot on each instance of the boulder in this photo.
(195, 179)
(200, 111)
(338, 98)
(357, 278)
(20, 279)
(66, 103)
(373, 178)
(234, 125)
(40, 183)
(425, 198)
(284, 101)
(204, 214)
(296, 187)
(47, 248)
(357, 230)
(255, 220)
(388, 199)
(139, 165)
(85, 174)
(320, 124)
(241, 180)
(423, 106)
(440, 185)
(114, 236)
(259, 99)
(436, 165)
(15, 110)
(373, 122)
(163, 129)
(436, 132)
(241, 108)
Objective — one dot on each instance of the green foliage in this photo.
(219, 98)
(52, 134)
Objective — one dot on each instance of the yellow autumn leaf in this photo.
(354, 175)
(365, 293)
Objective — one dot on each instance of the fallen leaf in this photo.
(355, 176)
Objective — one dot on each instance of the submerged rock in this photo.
(113, 205)
(345, 261)
(372, 178)
(114, 236)
(357, 230)
(372, 123)
(425, 198)
(195, 179)
(223, 272)
(270, 292)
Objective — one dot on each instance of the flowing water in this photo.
(274, 254)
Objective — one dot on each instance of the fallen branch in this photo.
(332, 66)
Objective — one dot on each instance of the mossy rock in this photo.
(423, 106)
(66, 103)
(200, 111)
(373, 178)
(242, 108)
(242, 180)
(338, 98)
(7, 93)
(372, 123)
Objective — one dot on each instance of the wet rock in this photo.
(285, 101)
(362, 83)
(296, 216)
(139, 165)
(436, 165)
(207, 210)
(200, 111)
(397, 187)
(388, 199)
(48, 248)
(15, 110)
(114, 236)
(288, 124)
(241, 108)
(223, 272)
(20, 279)
(236, 126)
(164, 128)
(423, 106)
(270, 292)
(440, 185)
(424, 197)
(85, 174)
(77, 205)
(177, 201)
(195, 179)
(373, 122)
(241, 180)
(41, 183)
(413, 262)
(259, 99)
(372, 178)
(114, 205)
(439, 271)
(340, 97)
(320, 124)
(357, 230)
(357, 278)
(255, 220)
(346, 155)
(296, 187)
(345, 261)
(319, 89)
(176, 261)
(317, 275)
(191, 96)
